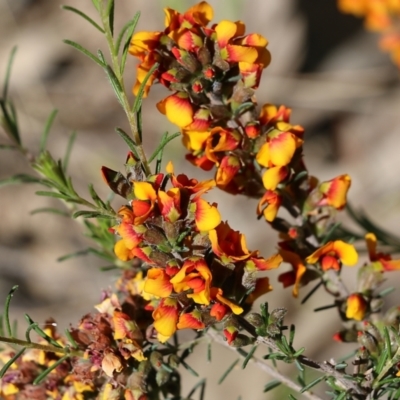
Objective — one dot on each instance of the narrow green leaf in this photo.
(129, 34)
(129, 27)
(116, 85)
(7, 309)
(85, 51)
(96, 4)
(67, 155)
(41, 333)
(227, 372)
(199, 384)
(139, 122)
(292, 331)
(209, 349)
(386, 291)
(49, 210)
(32, 326)
(101, 56)
(249, 356)
(43, 375)
(299, 367)
(341, 395)
(327, 307)
(291, 397)
(188, 367)
(10, 122)
(52, 194)
(10, 362)
(313, 383)
(108, 268)
(19, 178)
(71, 339)
(8, 73)
(76, 254)
(138, 100)
(300, 175)
(46, 130)
(382, 360)
(96, 197)
(264, 312)
(84, 16)
(164, 141)
(271, 385)
(299, 352)
(128, 140)
(89, 214)
(311, 292)
(110, 14)
(329, 234)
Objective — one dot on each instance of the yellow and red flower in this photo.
(295, 276)
(382, 261)
(356, 307)
(334, 192)
(332, 254)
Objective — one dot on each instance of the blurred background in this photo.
(325, 66)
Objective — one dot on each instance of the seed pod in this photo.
(255, 319)
(156, 360)
(162, 377)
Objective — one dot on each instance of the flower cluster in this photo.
(197, 269)
(381, 16)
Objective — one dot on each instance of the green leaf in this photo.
(71, 339)
(128, 140)
(52, 194)
(227, 372)
(8, 73)
(96, 197)
(164, 141)
(292, 332)
(271, 385)
(249, 356)
(96, 4)
(129, 27)
(89, 214)
(313, 383)
(49, 210)
(329, 234)
(43, 375)
(101, 57)
(46, 130)
(42, 333)
(19, 178)
(138, 100)
(116, 85)
(10, 122)
(10, 362)
(7, 309)
(209, 352)
(85, 51)
(67, 154)
(188, 367)
(83, 15)
(110, 14)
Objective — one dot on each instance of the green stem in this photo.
(125, 102)
(44, 347)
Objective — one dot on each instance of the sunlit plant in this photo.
(179, 266)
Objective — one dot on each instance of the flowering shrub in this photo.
(180, 267)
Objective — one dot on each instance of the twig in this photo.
(265, 367)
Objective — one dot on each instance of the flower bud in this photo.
(156, 360)
(369, 342)
(356, 307)
(173, 361)
(273, 329)
(278, 314)
(144, 367)
(255, 319)
(162, 377)
(242, 340)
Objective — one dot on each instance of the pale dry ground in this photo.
(357, 87)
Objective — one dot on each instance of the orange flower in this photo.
(165, 318)
(335, 192)
(196, 277)
(227, 244)
(191, 320)
(206, 216)
(158, 283)
(177, 108)
(216, 294)
(382, 260)
(356, 307)
(272, 201)
(331, 253)
(227, 170)
(292, 277)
